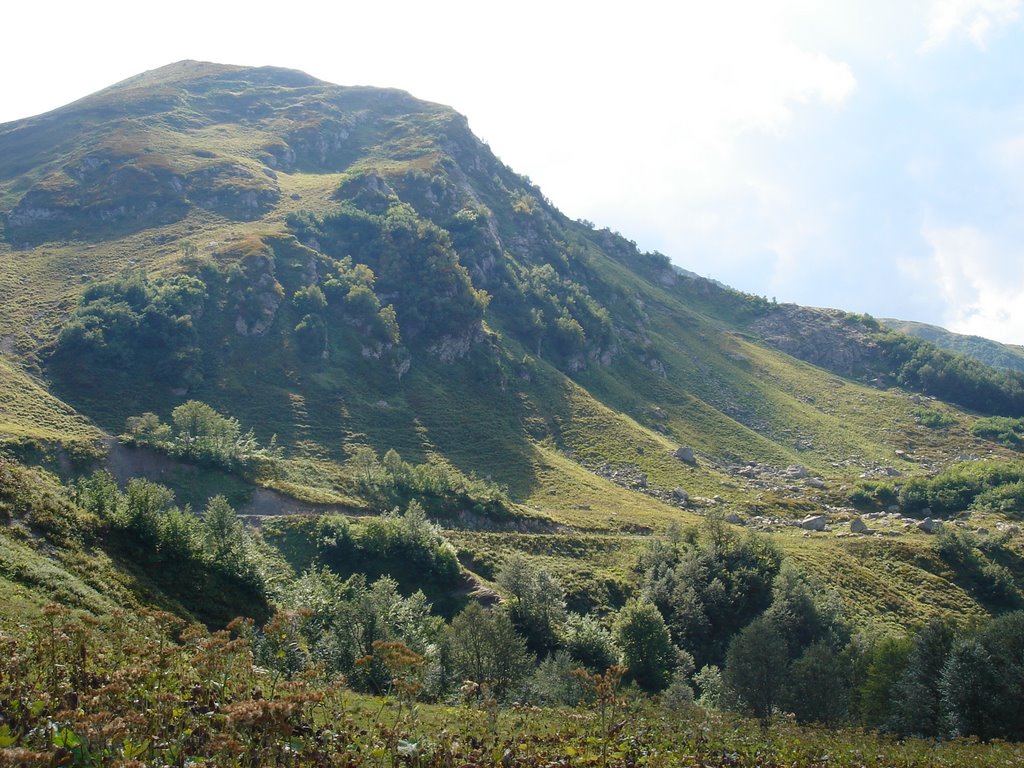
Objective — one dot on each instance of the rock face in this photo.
(828, 338)
(813, 523)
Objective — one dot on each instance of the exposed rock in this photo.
(813, 523)
(823, 337)
(680, 494)
(929, 526)
(858, 526)
(449, 348)
(685, 454)
(733, 519)
(796, 472)
(815, 482)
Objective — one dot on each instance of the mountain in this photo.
(991, 353)
(339, 268)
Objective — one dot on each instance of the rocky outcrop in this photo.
(828, 338)
(455, 347)
(233, 190)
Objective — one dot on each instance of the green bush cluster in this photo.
(1006, 430)
(395, 253)
(959, 488)
(442, 490)
(206, 562)
(199, 433)
(996, 486)
(135, 324)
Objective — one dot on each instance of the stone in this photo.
(796, 471)
(685, 454)
(733, 519)
(858, 526)
(813, 523)
(815, 482)
(929, 526)
(680, 495)
(982, 531)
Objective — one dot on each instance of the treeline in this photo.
(720, 619)
(920, 366)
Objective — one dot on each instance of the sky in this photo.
(860, 154)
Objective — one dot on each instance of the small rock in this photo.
(982, 531)
(733, 519)
(929, 526)
(680, 494)
(858, 526)
(815, 482)
(796, 471)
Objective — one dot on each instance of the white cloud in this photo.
(976, 20)
(983, 296)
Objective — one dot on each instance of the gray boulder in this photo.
(685, 454)
(858, 526)
(813, 523)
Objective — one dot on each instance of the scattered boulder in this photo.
(813, 523)
(796, 472)
(733, 519)
(929, 526)
(858, 526)
(815, 482)
(680, 494)
(685, 454)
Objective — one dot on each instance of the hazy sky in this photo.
(860, 154)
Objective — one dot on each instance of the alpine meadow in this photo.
(327, 439)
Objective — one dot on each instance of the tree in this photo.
(224, 536)
(968, 687)
(755, 669)
(797, 614)
(817, 687)
(589, 643)
(647, 649)
(486, 649)
(886, 661)
(365, 464)
(538, 606)
(917, 709)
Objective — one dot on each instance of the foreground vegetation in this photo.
(149, 690)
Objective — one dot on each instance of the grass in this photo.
(28, 412)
